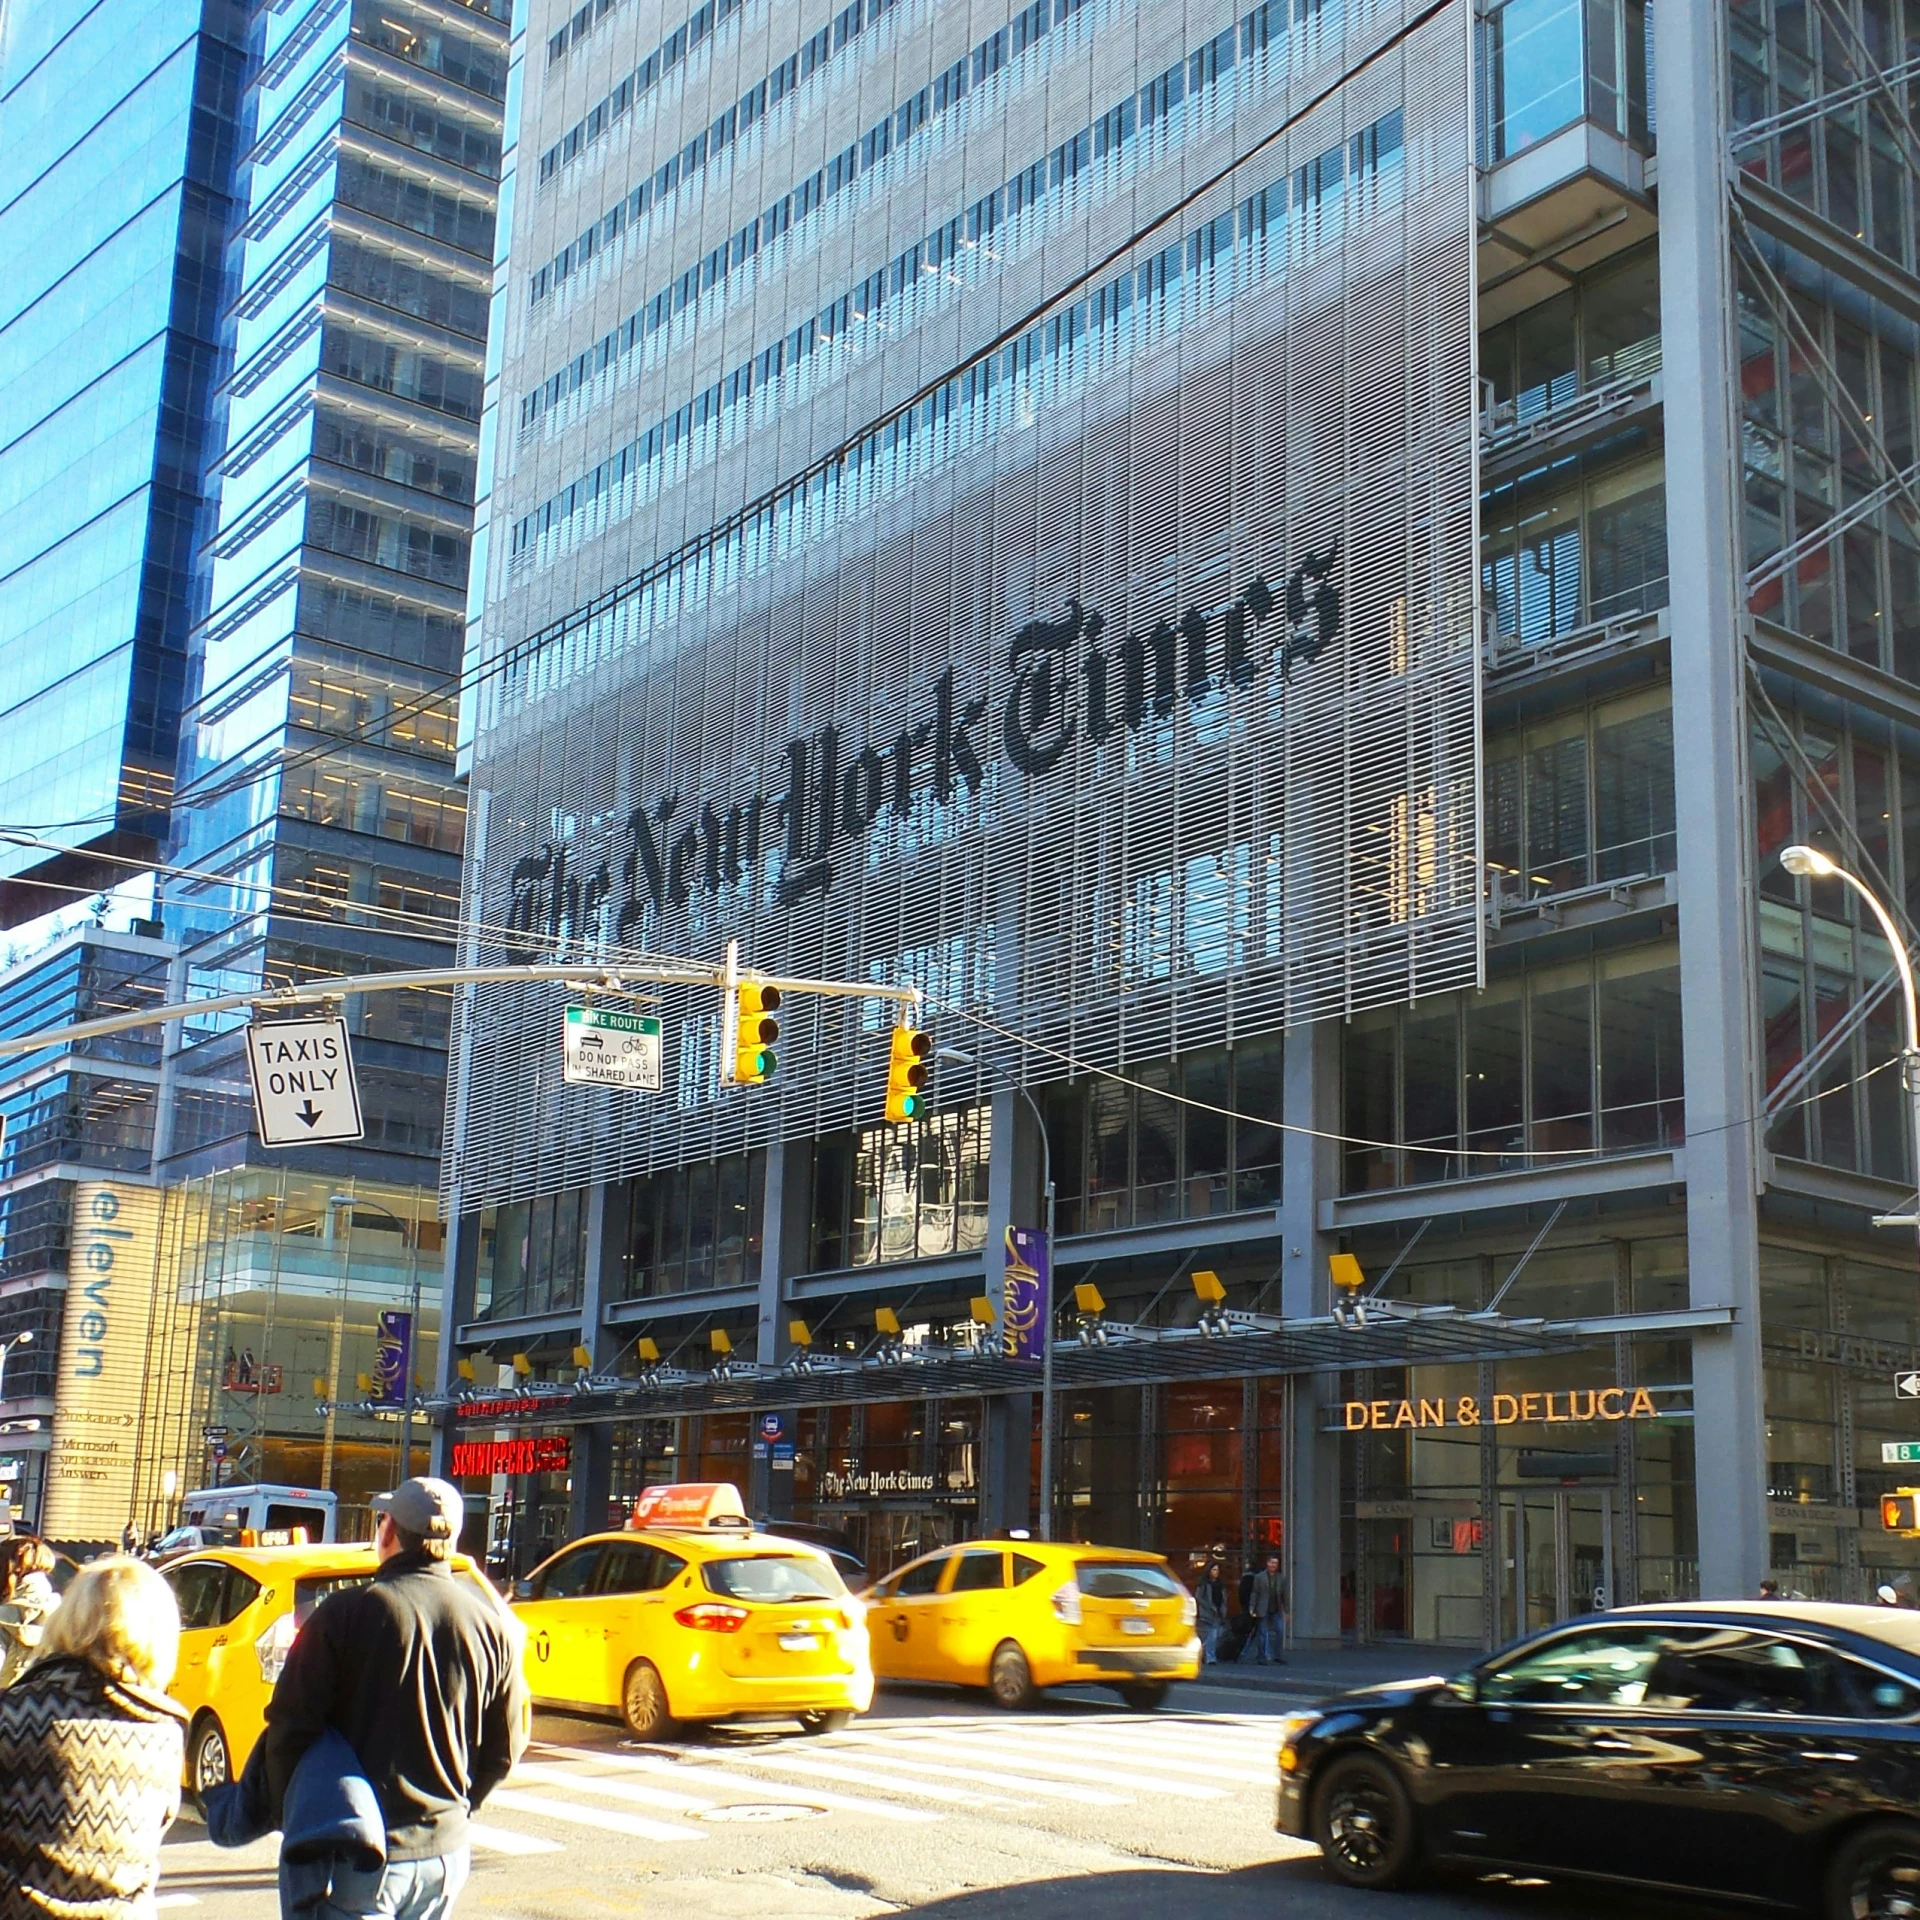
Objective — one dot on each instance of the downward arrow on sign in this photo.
(309, 1113)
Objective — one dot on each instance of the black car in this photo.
(1767, 1753)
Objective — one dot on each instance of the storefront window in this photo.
(1130, 1156)
(533, 1257)
(1548, 1062)
(901, 1193)
(691, 1229)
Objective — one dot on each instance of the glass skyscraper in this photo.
(117, 131)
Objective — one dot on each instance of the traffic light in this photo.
(755, 1032)
(907, 1070)
(1900, 1510)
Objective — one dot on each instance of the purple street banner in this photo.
(392, 1359)
(1025, 1304)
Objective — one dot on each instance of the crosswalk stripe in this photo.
(707, 1775)
(176, 1900)
(582, 1781)
(1018, 1783)
(494, 1839)
(1121, 1743)
(969, 1745)
(1162, 1759)
(807, 1767)
(510, 1800)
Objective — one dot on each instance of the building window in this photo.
(1580, 799)
(691, 1229)
(902, 1193)
(1558, 555)
(1126, 1156)
(532, 1257)
(1556, 1060)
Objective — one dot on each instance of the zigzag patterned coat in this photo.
(89, 1784)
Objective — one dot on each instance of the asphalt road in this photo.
(933, 1803)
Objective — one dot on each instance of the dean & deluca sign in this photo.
(1577, 1407)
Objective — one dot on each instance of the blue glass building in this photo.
(117, 128)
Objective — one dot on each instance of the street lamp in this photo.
(352, 1202)
(1046, 1346)
(1810, 863)
(24, 1338)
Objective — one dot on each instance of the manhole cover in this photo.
(761, 1810)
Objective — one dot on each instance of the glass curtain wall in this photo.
(283, 1279)
(316, 765)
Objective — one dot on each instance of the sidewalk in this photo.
(1311, 1673)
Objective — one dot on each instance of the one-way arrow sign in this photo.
(1906, 1386)
(303, 1085)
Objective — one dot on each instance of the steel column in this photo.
(1711, 790)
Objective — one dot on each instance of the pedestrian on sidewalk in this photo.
(27, 1599)
(419, 1673)
(91, 1751)
(1210, 1598)
(1267, 1602)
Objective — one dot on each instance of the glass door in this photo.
(1556, 1556)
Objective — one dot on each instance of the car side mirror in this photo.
(523, 1589)
(1465, 1688)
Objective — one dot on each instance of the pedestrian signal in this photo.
(1900, 1511)
(907, 1070)
(755, 1032)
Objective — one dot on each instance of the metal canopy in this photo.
(1111, 1356)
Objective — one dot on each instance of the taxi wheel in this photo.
(643, 1704)
(209, 1764)
(827, 1720)
(1010, 1679)
(1145, 1695)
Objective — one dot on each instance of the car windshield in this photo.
(775, 1577)
(1125, 1580)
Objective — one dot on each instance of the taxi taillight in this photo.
(1066, 1603)
(711, 1616)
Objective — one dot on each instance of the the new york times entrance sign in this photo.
(1127, 705)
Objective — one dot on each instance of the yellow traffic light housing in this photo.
(755, 1033)
(1900, 1511)
(908, 1065)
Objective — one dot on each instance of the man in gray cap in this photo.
(419, 1670)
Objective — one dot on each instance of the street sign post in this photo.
(606, 1049)
(303, 1085)
(1899, 1453)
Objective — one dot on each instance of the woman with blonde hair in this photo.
(26, 1599)
(91, 1750)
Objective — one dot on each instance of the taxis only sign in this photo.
(303, 1084)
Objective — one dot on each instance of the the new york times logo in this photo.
(1068, 681)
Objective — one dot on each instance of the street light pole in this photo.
(1810, 863)
(407, 1236)
(23, 1338)
(1046, 1345)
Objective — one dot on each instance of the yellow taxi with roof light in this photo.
(691, 1615)
(240, 1608)
(1017, 1615)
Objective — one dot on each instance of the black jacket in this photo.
(419, 1673)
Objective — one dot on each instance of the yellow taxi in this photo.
(690, 1615)
(1018, 1615)
(240, 1608)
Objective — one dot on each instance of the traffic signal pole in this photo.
(589, 977)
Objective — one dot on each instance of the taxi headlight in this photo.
(273, 1646)
(712, 1616)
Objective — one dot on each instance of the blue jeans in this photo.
(1271, 1635)
(1210, 1643)
(405, 1890)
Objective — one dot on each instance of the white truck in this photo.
(253, 1516)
